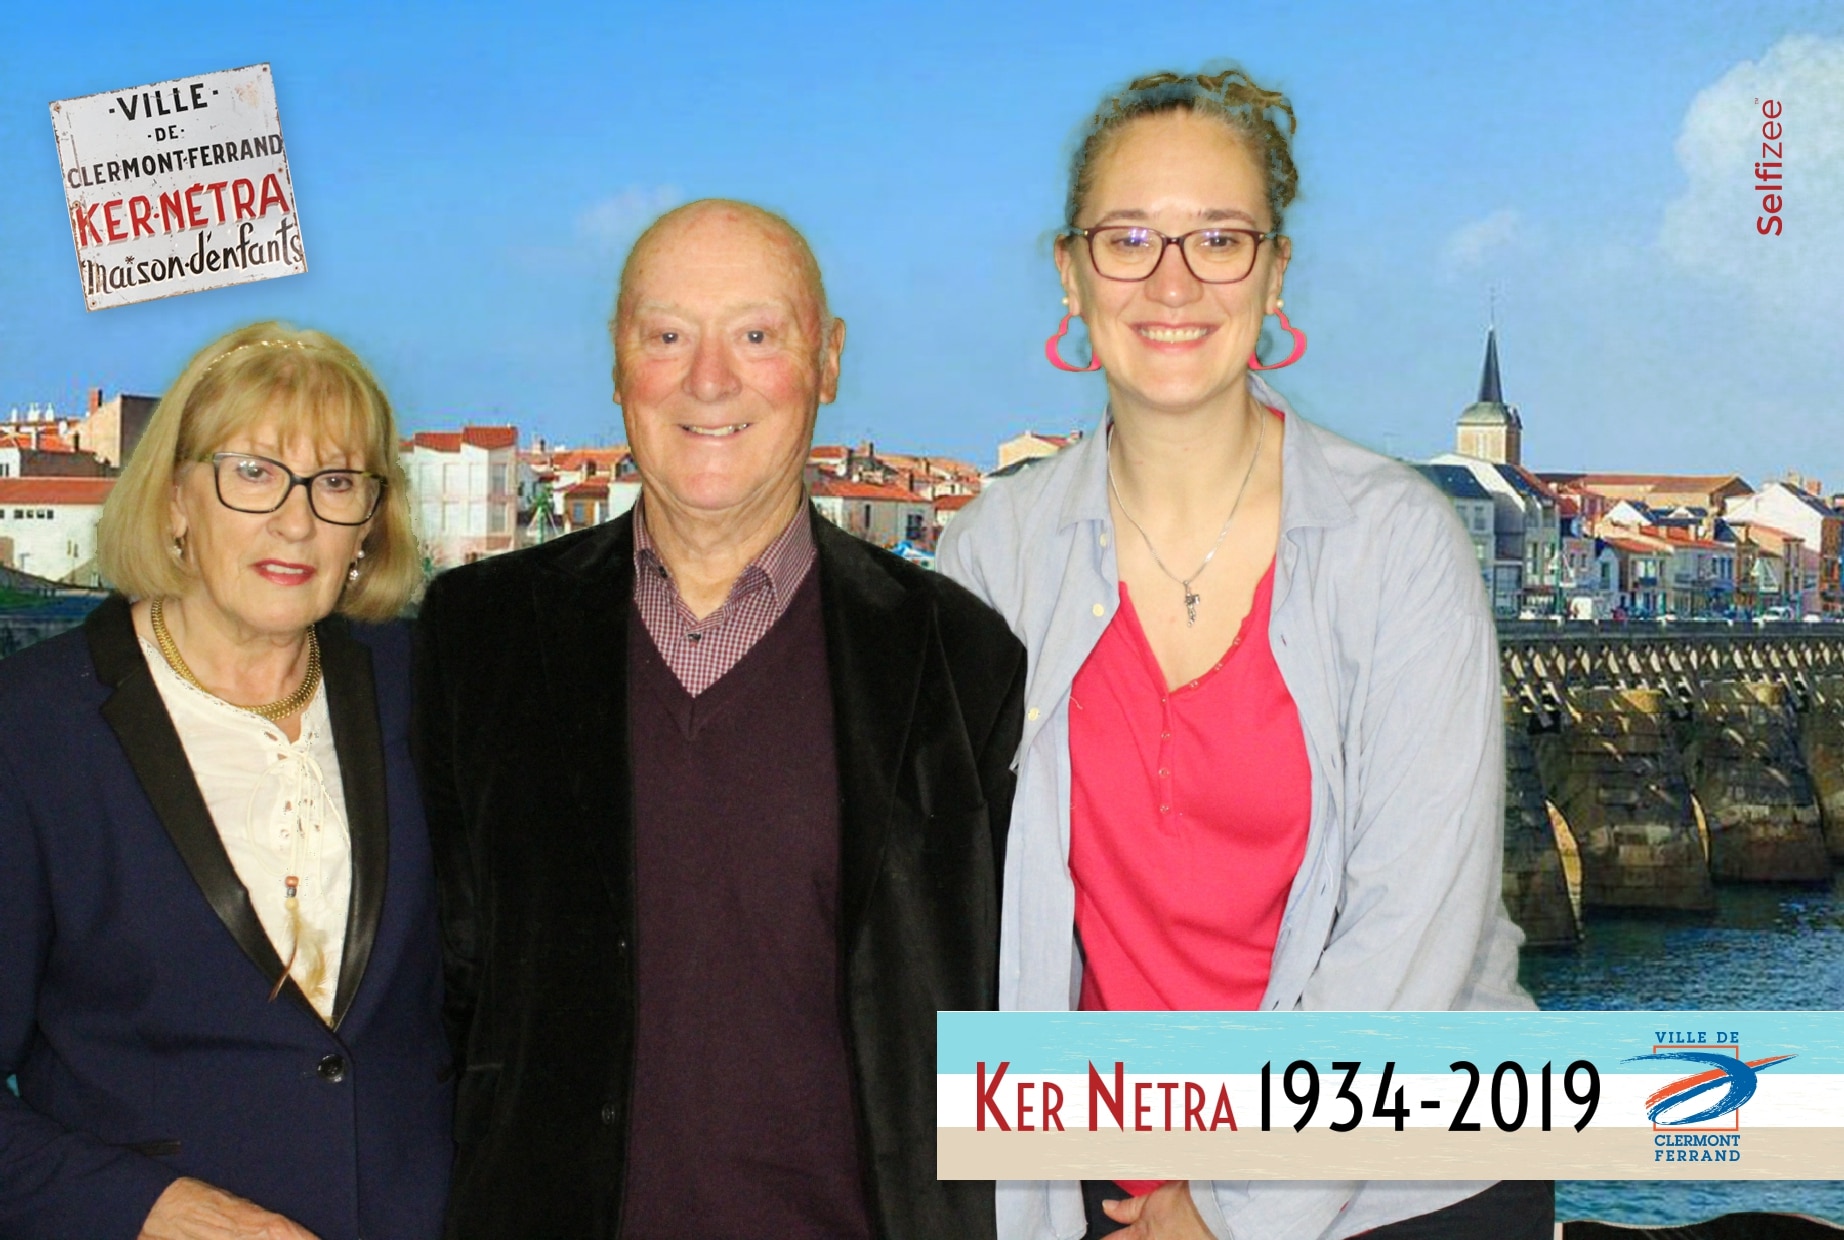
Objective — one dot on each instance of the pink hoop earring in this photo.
(1056, 358)
(1299, 346)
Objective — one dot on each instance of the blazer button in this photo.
(611, 1114)
(332, 1068)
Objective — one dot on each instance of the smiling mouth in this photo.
(1173, 335)
(284, 574)
(716, 432)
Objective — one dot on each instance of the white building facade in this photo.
(48, 526)
(464, 492)
(885, 515)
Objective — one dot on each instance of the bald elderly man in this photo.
(719, 798)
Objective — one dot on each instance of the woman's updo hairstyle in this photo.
(1254, 113)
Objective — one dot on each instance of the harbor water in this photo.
(1766, 948)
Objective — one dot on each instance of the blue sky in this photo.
(468, 178)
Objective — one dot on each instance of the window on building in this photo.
(496, 514)
(915, 527)
(498, 484)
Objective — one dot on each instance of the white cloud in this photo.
(612, 224)
(1711, 228)
(1470, 245)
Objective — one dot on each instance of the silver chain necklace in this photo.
(1192, 597)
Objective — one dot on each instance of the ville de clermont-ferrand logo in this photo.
(1731, 1079)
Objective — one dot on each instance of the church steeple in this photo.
(1489, 428)
(1491, 392)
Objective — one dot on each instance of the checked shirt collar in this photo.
(699, 652)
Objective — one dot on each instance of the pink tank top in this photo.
(1188, 821)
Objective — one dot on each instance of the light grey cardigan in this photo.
(1383, 635)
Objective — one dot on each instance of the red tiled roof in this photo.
(828, 452)
(55, 490)
(569, 458)
(939, 466)
(473, 436)
(953, 503)
(490, 436)
(589, 488)
(48, 441)
(1634, 544)
(838, 488)
(1678, 539)
(1658, 482)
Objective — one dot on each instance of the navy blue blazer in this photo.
(135, 976)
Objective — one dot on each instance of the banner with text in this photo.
(177, 187)
(1399, 1095)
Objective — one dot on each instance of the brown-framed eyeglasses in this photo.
(1132, 252)
(257, 484)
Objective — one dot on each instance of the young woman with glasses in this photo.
(1262, 766)
(219, 963)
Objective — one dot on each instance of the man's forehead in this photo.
(723, 254)
(735, 271)
(720, 230)
(662, 301)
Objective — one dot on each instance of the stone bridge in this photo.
(1676, 758)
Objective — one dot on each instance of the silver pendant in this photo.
(1191, 601)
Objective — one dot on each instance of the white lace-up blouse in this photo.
(281, 813)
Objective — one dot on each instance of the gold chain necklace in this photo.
(279, 709)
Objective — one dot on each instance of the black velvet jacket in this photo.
(521, 740)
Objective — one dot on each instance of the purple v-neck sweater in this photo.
(743, 1121)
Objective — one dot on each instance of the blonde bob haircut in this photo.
(315, 389)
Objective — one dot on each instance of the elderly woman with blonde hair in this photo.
(219, 973)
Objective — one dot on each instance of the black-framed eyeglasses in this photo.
(1132, 252)
(250, 483)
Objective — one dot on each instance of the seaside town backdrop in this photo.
(1552, 543)
(1672, 657)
